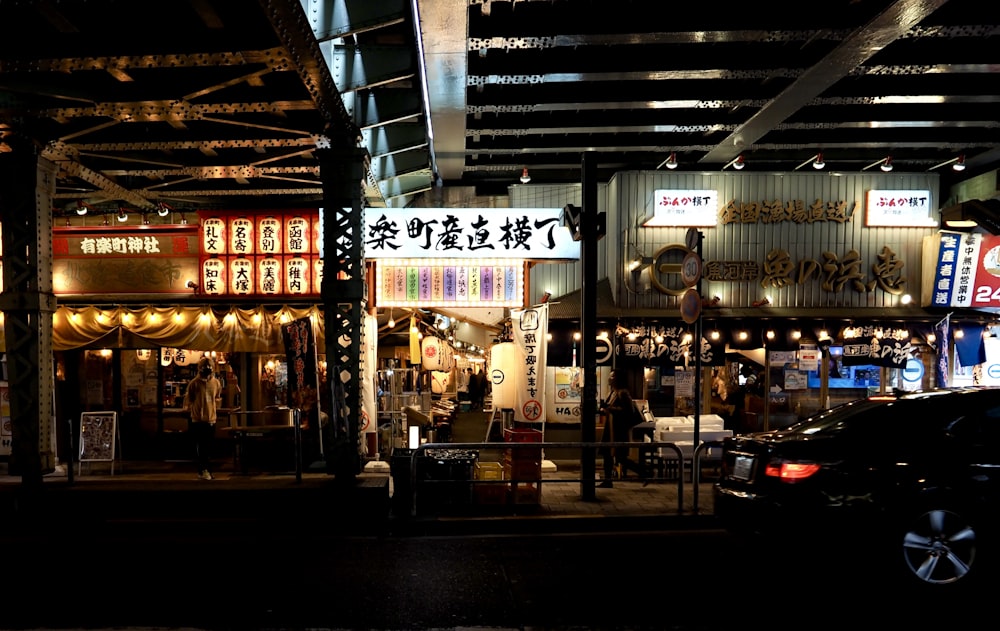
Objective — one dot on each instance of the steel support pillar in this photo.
(345, 297)
(27, 185)
(588, 322)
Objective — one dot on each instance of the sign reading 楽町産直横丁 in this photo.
(468, 233)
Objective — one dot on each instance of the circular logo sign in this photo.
(690, 306)
(914, 370)
(532, 410)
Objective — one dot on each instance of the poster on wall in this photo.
(795, 379)
(566, 386)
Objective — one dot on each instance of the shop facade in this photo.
(808, 290)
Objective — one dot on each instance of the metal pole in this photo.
(588, 325)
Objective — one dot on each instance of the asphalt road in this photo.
(249, 576)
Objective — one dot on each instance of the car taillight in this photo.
(790, 471)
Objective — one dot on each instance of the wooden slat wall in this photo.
(627, 197)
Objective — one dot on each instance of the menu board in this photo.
(98, 431)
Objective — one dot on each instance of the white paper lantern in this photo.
(505, 363)
(432, 353)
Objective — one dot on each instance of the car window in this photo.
(982, 428)
(855, 414)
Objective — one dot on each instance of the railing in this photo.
(419, 452)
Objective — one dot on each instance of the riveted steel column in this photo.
(345, 298)
(27, 184)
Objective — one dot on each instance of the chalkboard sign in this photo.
(98, 431)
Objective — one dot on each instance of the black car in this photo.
(918, 472)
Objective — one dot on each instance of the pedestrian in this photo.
(464, 383)
(477, 382)
(621, 416)
(203, 394)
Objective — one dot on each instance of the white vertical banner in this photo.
(530, 328)
(369, 411)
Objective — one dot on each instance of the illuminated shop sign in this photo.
(267, 255)
(453, 283)
(967, 270)
(468, 233)
(683, 208)
(899, 209)
(124, 260)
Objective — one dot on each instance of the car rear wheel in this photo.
(939, 546)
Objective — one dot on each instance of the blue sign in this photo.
(914, 371)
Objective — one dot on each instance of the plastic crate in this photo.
(522, 435)
(489, 471)
(491, 493)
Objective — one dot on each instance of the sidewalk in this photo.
(170, 492)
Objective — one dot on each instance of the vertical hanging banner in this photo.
(942, 333)
(530, 328)
(369, 409)
(303, 371)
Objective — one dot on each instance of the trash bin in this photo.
(445, 480)
(402, 488)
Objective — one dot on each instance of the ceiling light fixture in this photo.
(670, 162)
(884, 163)
(392, 321)
(163, 209)
(959, 164)
(525, 178)
(82, 207)
(737, 163)
(816, 161)
(122, 215)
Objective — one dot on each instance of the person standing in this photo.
(201, 399)
(621, 416)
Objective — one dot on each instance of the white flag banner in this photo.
(530, 328)
(369, 410)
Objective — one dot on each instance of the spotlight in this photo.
(737, 163)
(525, 178)
(670, 162)
(163, 209)
(192, 285)
(122, 215)
(816, 161)
(884, 163)
(959, 163)
(82, 207)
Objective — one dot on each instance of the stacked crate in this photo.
(523, 466)
(489, 489)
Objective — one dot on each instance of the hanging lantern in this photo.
(431, 353)
(166, 356)
(505, 362)
(143, 354)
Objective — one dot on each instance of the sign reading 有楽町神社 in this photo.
(963, 270)
(468, 233)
